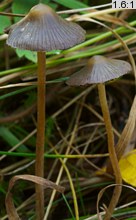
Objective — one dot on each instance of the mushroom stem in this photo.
(40, 139)
(111, 149)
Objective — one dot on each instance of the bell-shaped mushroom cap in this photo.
(43, 30)
(99, 69)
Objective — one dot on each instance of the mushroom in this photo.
(43, 30)
(99, 70)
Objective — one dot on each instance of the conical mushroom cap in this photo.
(43, 30)
(99, 69)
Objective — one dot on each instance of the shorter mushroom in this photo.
(99, 70)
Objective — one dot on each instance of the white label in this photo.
(124, 4)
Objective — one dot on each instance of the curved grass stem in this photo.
(39, 166)
(112, 152)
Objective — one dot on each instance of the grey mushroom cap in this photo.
(99, 69)
(42, 29)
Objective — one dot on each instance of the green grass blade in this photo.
(69, 208)
(73, 4)
(11, 139)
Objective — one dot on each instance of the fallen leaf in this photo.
(11, 210)
(126, 135)
(127, 166)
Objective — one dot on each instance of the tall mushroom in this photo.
(43, 30)
(99, 70)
